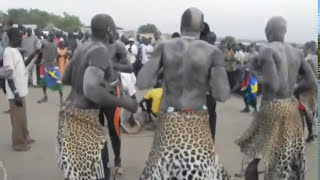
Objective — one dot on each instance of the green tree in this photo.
(148, 28)
(229, 40)
(3, 16)
(66, 22)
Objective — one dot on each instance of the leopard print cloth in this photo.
(276, 136)
(183, 149)
(80, 141)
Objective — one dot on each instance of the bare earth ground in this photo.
(40, 162)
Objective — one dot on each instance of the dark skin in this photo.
(180, 59)
(14, 41)
(103, 29)
(44, 88)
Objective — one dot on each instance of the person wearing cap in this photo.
(132, 50)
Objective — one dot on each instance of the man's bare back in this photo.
(281, 64)
(191, 68)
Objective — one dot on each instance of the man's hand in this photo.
(17, 99)
(131, 105)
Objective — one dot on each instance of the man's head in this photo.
(29, 32)
(51, 36)
(58, 34)
(192, 23)
(144, 40)
(37, 32)
(14, 37)
(276, 29)
(311, 47)
(138, 37)
(104, 28)
(124, 39)
(157, 85)
(252, 47)
(70, 35)
(149, 40)
(156, 35)
(175, 35)
(80, 35)
(205, 31)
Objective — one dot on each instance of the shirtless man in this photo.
(309, 100)
(79, 122)
(190, 67)
(311, 51)
(120, 63)
(280, 65)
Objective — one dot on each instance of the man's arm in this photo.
(220, 88)
(94, 78)
(123, 65)
(5, 72)
(308, 79)
(150, 70)
(254, 68)
(66, 77)
(270, 77)
(143, 100)
(8, 62)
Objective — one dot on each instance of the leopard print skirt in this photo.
(276, 136)
(80, 141)
(183, 149)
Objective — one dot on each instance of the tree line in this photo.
(67, 22)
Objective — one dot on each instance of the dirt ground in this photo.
(40, 163)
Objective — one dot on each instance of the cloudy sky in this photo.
(240, 18)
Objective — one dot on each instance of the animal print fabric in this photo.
(80, 141)
(276, 136)
(183, 149)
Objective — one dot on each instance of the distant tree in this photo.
(148, 28)
(3, 16)
(229, 40)
(66, 22)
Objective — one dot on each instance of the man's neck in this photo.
(190, 35)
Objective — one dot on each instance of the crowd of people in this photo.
(187, 74)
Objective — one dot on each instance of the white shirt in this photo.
(240, 56)
(146, 51)
(133, 53)
(128, 81)
(13, 59)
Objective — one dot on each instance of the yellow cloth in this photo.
(155, 95)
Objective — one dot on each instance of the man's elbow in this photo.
(90, 92)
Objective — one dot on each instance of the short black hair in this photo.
(206, 30)
(175, 35)
(14, 37)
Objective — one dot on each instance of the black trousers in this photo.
(149, 108)
(113, 119)
(137, 67)
(211, 105)
(308, 121)
(231, 78)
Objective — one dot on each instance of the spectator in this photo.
(17, 89)
(152, 100)
(29, 45)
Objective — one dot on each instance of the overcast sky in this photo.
(239, 18)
